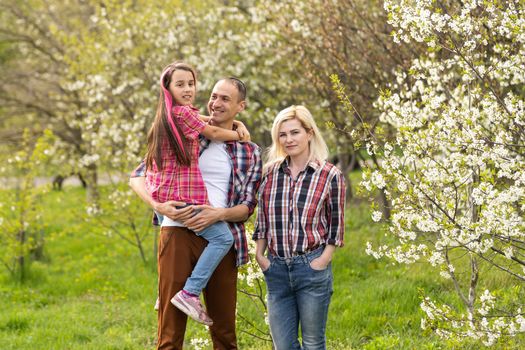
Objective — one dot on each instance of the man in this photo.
(232, 172)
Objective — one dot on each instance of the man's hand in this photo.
(207, 216)
(170, 210)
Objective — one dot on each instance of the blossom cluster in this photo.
(477, 324)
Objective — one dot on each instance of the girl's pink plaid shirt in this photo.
(175, 182)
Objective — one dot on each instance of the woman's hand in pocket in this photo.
(319, 264)
(264, 262)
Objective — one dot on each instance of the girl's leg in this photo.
(220, 240)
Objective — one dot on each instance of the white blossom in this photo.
(200, 343)
(377, 215)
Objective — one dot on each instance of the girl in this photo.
(300, 220)
(173, 173)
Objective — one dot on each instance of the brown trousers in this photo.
(179, 250)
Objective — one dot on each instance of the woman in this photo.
(301, 221)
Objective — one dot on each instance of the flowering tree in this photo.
(21, 223)
(32, 91)
(456, 172)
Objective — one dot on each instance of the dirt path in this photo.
(103, 179)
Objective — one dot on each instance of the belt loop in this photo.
(305, 259)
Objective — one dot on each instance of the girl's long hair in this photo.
(318, 148)
(163, 127)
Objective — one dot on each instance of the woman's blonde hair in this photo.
(318, 148)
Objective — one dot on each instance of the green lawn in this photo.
(94, 292)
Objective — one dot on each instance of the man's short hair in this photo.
(239, 84)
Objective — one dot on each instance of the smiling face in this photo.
(182, 87)
(224, 104)
(294, 138)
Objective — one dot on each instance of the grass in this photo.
(94, 292)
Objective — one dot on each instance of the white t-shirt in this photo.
(216, 167)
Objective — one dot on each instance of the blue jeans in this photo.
(298, 295)
(220, 240)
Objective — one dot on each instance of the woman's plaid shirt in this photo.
(297, 216)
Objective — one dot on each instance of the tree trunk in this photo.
(37, 251)
(21, 258)
(385, 203)
(91, 177)
(58, 180)
(349, 168)
(343, 164)
(141, 248)
(82, 181)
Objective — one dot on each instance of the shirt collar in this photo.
(194, 108)
(314, 164)
(204, 142)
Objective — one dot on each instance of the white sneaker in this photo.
(157, 304)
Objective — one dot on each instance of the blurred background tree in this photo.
(88, 70)
(22, 234)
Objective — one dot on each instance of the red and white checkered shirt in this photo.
(298, 215)
(178, 182)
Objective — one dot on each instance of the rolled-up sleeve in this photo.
(248, 196)
(261, 223)
(336, 210)
(187, 118)
(140, 170)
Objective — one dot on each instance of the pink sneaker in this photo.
(192, 307)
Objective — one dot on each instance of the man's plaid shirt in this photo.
(244, 183)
